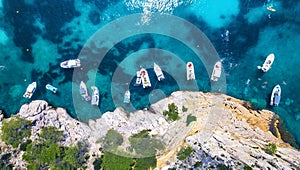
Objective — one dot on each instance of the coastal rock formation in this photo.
(225, 131)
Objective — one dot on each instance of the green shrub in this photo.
(51, 135)
(111, 161)
(185, 152)
(97, 164)
(184, 109)
(247, 167)
(146, 147)
(190, 118)
(145, 163)
(271, 149)
(112, 140)
(15, 131)
(172, 112)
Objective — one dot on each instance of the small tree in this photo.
(15, 131)
(172, 112)
(271, 149)
(185, 152)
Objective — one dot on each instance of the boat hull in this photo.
(216, 74)
(95, 96)
(159, 74)
(145, 78)
(275, 96)
(70, 64)
(30, 90)
(190, 73)
(127, 97)
(268, 63)
(84, 92)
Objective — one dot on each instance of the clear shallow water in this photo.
(36, 37)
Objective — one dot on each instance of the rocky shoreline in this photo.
(226, 131)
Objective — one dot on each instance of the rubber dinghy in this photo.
(275, 96)
(51, 88)
(268, 63)
(30, 90)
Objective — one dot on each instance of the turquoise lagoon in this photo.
(35, 36)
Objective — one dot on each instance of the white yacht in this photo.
(127, 97)
(190, 73)
(70, 63)
(138, 80)
(159, 74)
(145, 78)
(84, 92)
(268, 63)
(30, 90)
(216, 74)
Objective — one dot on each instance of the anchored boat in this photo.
(138, 80)
(30, 90)
(268, 63)
(95, 96)
(190, 73)
(84, 92)
(159, 74)
(216, 74)
(145, 78)
(275, 96)
(51, 88)
(127, 97)
(70, 63)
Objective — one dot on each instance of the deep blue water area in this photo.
(35, 36)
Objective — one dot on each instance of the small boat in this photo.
(70, 63)
(159, 74)
(30, 90)
(51, 88)
(95, 96)
(216, 74)
(190, 73)
(275, 96)
(270, 8)
(83, 91)
(138, 80)
(268, 63)
(127, 96)
(145, 78)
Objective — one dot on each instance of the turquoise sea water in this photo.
(35, 36)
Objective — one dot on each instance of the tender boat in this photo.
(145, 78)
(216, 74)
(268, 63)
(127, 96)
(138, 80)
(190, 73)
(83, 91)
(270, 8)
(51, 88)
(95, 96)
(30, 90)
(275, 96)
(159, 74)
(70, 63)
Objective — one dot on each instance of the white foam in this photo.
(150, 6)
(3, 37)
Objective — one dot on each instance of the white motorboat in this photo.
(275, 96)
(70, 63)
(159, 74)
(268, 63)
(145, 78)
(190, 73)
(51, 88)
(138, 80)
(84, 92)
(95, 96)
(216, 74)
(30, 90)
(127, 96)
